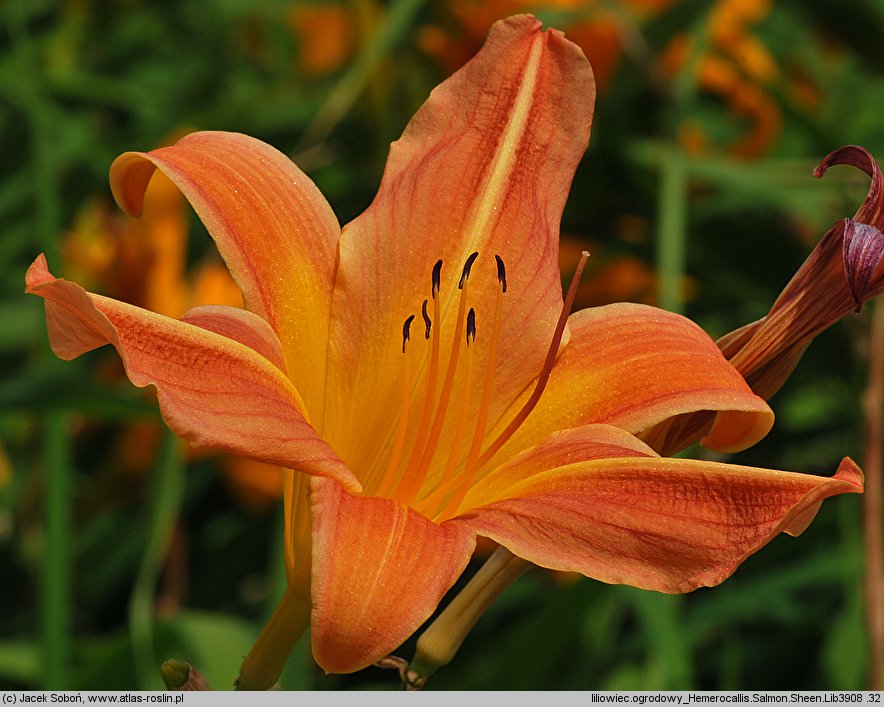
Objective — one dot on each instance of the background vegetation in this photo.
(119, 548)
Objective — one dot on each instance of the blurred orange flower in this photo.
(737, 68)
(326, 33)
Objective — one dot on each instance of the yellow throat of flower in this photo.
(404, 480)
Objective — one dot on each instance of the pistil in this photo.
(543, 378)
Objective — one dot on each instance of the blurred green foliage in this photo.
(106, 573)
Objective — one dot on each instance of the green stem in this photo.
(30, 95)
(265, 662)
(297, 673)
(662, 619)
(165, 505)
(398, 19)
(57, 568)
(672, 197)
(439, 643)
(672, 206)
(873, 521)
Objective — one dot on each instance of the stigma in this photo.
(439, 453)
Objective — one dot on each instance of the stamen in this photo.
(490, 365)
(406, 331)
(465, 480)
(432, 371)
(390, 475)
(411, 485)
(454, 450)
(471, 326)
(501, 273)
(465, 275)
(437, 278)
(427, 323)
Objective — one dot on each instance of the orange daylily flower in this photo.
(326, 33)
(420, 394)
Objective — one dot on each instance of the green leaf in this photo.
(20, 663)
(845, 655)
(213, 643)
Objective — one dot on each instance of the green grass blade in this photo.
(165, 505)
(397, 21)
(672, 207)
(56, 610)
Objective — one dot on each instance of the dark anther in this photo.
(437, 278)
(471, 326)
(406, 331)
(427, 323)
(501, 272)
(466, 270)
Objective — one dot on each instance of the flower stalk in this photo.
(872, 501)
(267, 658)
(438, 645)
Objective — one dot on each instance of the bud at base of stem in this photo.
(179, 676)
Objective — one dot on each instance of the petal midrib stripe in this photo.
(505, 156)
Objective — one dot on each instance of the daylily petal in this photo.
(273, 228)
(669, 525)
(630, 366)
(296, 541)
(213, 391)
(558, 449)
(240, 325)
(485, 166)
(379, 571)
(578, 444)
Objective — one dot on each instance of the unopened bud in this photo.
(182, 677)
